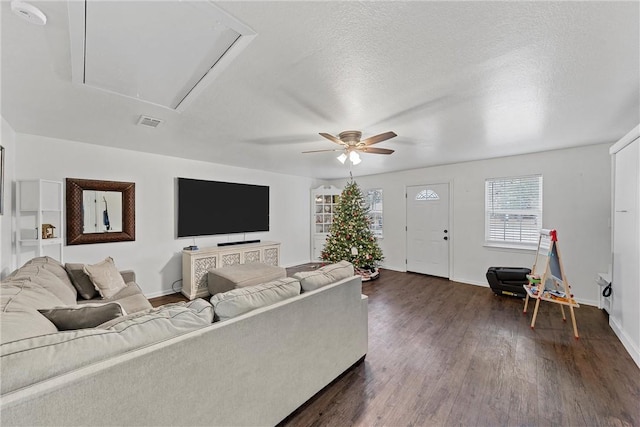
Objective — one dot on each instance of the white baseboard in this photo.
(393, 268)
(486, 285)
(631, 348)
(469, 282)
(161, 293)
(587, 302)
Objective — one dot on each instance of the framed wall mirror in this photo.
(100, 211)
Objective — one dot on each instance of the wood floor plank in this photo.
(443, 353)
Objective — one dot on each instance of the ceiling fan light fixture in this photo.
(354, 157)
(341, 158)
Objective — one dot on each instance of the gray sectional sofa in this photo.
(273, 349)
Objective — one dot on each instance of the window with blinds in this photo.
(513, 210)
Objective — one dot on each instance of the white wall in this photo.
(6, 254)
(155, 255)
(576, 202)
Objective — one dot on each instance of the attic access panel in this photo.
(161, 52)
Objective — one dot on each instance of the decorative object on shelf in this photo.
(351, 145)
(47, 231)
(350, 237)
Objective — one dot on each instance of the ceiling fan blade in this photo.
(332, 138)
(378, 138)
(320, 151)
(374, 150)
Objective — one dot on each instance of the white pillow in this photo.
(312, 280)
(238, 301)
(105, 277)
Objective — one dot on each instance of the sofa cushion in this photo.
(19, 317)
(55, 267)
(81, 317)
(44, 277)
(310, 280)
(233, 303)
(18, 325)
(198, 306)
(131, 298)
(36, 359)
(81, 280)
(19, 294)
(105, 277)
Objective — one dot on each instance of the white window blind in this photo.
(513, 210)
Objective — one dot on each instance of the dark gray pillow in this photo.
(82, 317)
(81, 281)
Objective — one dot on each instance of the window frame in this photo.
(376, 230)
(536, 212)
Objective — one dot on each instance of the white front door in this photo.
(428, 229)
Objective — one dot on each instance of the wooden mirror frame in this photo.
(75, 219)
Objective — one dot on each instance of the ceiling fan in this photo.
(351, 144)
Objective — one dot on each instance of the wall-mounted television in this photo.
(213, 207)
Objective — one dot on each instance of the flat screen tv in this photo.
(213, 207)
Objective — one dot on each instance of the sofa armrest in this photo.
(128, 276)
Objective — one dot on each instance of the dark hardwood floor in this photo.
(443, 353)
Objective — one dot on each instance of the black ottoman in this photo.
(508, 280)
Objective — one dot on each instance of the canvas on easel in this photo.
(547, 281)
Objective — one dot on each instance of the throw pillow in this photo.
(84, 316)
(46, 279)
(233, 303)
(81, 281)
(105, 277)
(339, 270)
(312, 280)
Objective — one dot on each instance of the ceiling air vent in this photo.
(149, 121)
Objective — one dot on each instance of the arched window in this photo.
(427, 195)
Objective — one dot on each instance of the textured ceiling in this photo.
(456, 81)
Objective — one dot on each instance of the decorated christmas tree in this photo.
(350, 237)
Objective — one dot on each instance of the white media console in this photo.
(196, 263)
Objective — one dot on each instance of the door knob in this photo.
(446, 231)
(446, 238)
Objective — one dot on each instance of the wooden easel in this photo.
(548, 268)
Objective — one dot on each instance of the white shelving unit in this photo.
(39, 202)
(324, 200)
